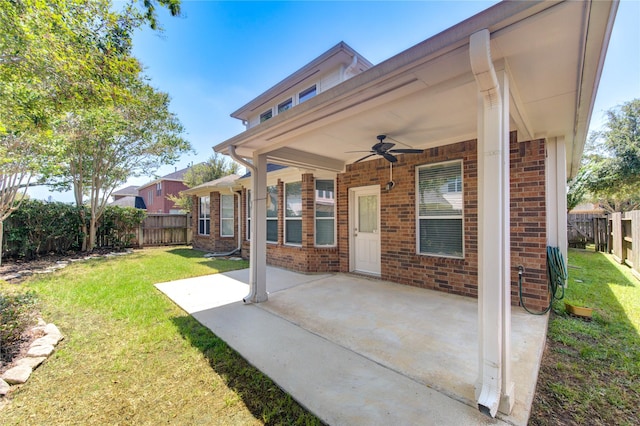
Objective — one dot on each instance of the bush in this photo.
(16, 315)
(39, 227)
(118, 225)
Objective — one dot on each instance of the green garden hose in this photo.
(557, 274)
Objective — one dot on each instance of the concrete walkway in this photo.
(356, 351)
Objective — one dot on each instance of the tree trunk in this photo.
(1, 239)
(92, 233)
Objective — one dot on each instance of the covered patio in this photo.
(355, 350)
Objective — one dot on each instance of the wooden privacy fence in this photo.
(625, 231)
(585, 228)
(159, 229)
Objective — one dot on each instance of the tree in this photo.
(103, 147)
(214, 168)
(610, 170)
(17, 166)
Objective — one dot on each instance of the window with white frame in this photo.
(249, 205)
(226, 215)
(159, 189)
(204, 216)
(150, 197)
(325, 213)
(307, 94)
(272, 214)
(440, 209)
(266, 115)
(282, 107)
(293, 213)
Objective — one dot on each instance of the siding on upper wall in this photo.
(323, 83)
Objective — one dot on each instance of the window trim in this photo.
(316, 218)
(204, 217)
(222, 218)
(291, 218)
(417, 209)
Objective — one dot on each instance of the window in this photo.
(293, 213)
(285, 105)
(440, 206)
(226, 215)
(204, 216)
(159, 189)
(307, 94)
(325, 213)
(266, 115)
(150, 198)
(249, 204)
(272, 214)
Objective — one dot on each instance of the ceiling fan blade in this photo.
(349, 152)
(389, 157)
(406, 151)
(365, 157)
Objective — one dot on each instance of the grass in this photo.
(590, 372)
(130, 356)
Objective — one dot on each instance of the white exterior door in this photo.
(365, 229)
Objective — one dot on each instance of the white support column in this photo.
(556, 200)
(494, 388)
(258, 245)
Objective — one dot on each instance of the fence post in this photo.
(616, 233)
(635, 242)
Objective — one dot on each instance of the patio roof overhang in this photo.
(426, 96)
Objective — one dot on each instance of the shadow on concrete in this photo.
(264, 399)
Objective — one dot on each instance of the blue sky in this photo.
(219, 55)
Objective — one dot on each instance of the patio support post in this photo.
(556, 166)
(258, 243)
(494, 388)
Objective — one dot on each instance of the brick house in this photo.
(498, 107)
(155, 193)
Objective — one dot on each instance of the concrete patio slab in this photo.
(360, 351)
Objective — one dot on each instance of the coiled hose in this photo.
(557, 275)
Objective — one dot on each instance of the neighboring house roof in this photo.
(129, 190)
(227, 183)
(178, 175)
(427, 96)
(130, 201)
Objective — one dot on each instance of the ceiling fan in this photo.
(385, 150)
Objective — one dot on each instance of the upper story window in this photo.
(150, 197)
(439, 203)
(307, 94)
(282, 107)
(266, 115)
(159, 189)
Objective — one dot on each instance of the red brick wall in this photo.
(160, 202)
(399, 261)
(213, 242)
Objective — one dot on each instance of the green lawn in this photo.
(130, 356)
(591, 369)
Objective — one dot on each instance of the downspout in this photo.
(257, 285)
(493, 230)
